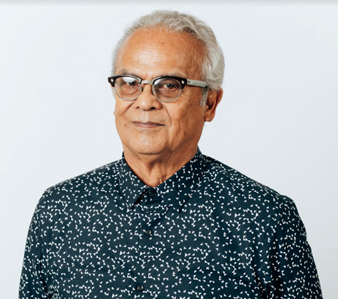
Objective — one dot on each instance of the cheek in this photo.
(192, 121)
(119, 119)
(184, 120)
(121, 108)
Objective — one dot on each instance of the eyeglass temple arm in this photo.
(197, 83)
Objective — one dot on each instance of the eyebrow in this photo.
(175, 74)
(128, 72)
(125, 72)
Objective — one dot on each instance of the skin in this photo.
(159, 138)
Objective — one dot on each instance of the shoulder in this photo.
(94, 178)
(95, 182)
(221, 173)
(248, 203)
(243, 192)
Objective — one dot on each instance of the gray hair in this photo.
(213, 63)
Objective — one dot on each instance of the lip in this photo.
(147, 125)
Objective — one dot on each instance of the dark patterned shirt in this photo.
(206, 232)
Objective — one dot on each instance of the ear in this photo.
(213, 99)
(112, 90)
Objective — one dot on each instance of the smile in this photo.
(147, 125)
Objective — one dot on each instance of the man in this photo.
(166, 221)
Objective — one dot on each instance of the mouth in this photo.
(147, 125)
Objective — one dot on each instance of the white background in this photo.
(277, 122)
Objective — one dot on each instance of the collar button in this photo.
(139, 287)
(152, 192)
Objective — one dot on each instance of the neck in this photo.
(154, 169)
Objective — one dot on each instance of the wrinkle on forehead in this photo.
(164, 48)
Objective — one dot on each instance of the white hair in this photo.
(213, 63)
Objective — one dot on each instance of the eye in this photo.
(129, 81)
(168, 84)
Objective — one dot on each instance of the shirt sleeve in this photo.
(31, 281)
(294, 273)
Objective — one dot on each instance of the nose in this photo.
(147, 100)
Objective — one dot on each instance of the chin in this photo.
(145, 149)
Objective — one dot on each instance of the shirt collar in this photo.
(175, 191)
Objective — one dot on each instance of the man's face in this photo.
(147, 126)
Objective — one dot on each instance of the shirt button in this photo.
(139, 287)
(152, 192)
(148, 232)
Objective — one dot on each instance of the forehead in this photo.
(158, 50)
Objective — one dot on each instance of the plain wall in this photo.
(277, 122)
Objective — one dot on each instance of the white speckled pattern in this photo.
(206, 232)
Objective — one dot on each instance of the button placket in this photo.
(151, 211)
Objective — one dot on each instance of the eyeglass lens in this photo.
(165, 89)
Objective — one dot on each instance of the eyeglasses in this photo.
(165, 88)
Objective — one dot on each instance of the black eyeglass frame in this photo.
(183, 82)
